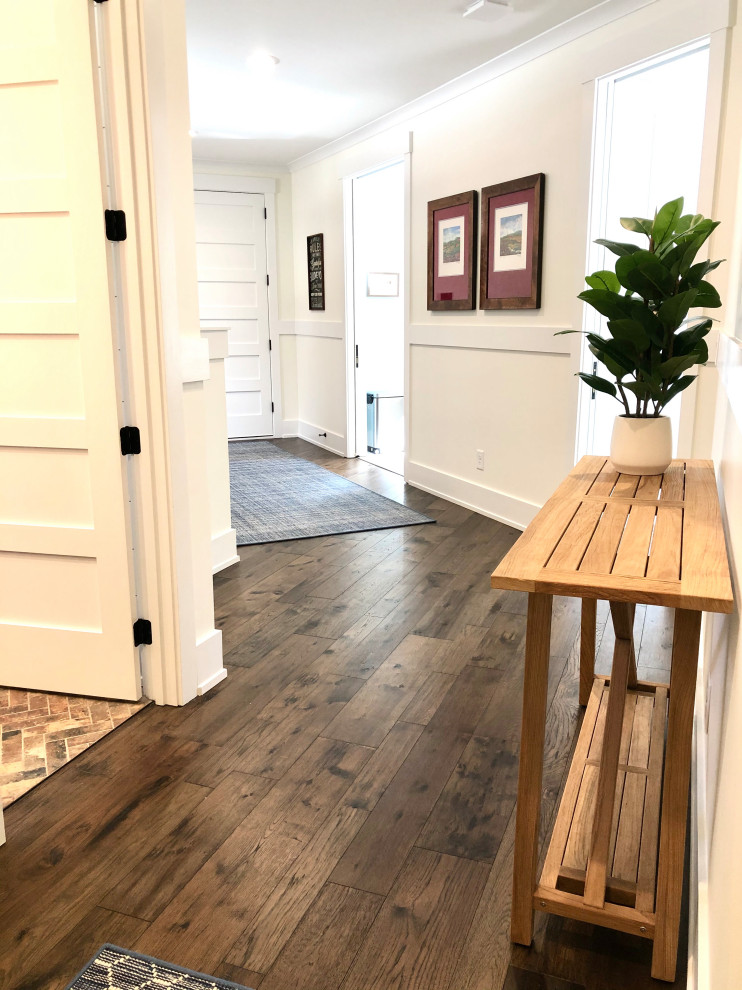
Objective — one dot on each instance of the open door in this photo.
(66, 604)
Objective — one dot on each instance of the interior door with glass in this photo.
(639, 114)
(233, 293)
(378, 309)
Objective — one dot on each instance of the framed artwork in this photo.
(316, 270)
(452, 257)
(512, 243)
(382, 284)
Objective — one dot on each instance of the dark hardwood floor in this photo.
(338, 813)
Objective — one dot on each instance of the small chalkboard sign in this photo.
(316, 270)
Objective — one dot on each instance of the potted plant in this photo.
(652, 342)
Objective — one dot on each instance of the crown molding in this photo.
(207, 166)
(576, 27)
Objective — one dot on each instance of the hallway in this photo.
(338, 813)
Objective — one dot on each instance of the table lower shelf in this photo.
(632, 864)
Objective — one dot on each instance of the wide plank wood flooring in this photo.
(338, 813)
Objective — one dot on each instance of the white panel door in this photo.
(233, 293)
(65, 592)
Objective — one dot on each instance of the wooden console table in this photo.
(616, 854)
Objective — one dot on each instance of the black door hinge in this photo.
(273, 408)
(265, 212)
(595, 371)
(131, 441)
(142, 632)
(115, 225)
(270, 344)
(267, 280)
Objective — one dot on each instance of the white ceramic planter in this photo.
(641, 446)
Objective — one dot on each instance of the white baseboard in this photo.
(287, 428)
(321, 437)
(210, 661)
(224, 550)
(504, 508)
(212, 681)
(699, 977)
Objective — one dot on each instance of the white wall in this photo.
(720, 731)
(501, 376)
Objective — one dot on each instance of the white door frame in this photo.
(718, 41)
(351, 447)
(168, 363)
(216, 181)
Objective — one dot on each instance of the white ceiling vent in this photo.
(487, 10)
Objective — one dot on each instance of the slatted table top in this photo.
(654, 539)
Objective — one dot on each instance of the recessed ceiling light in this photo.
(262, 61)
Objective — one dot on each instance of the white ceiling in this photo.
(343, 64)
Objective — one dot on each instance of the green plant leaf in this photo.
(685, 341)
(707, 296)
(607, 303)
(600, 347)
(700, 270)
(644, 273)
(677, 365)
(642, 390)
(618, 247)
(678, 386)
(631, 331)
(644, 316)
(700, 227)
(603, 280)
(599, 384)
(638, 224)
(666, 220)
(674, 310)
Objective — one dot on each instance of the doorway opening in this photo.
(639, 114)
(376, 259)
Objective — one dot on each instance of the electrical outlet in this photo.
(480, 460)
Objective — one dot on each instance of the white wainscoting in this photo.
(311, 328)
(541, 340)
(223, 537)
(504, 508)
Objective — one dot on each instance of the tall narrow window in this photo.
(647, 143)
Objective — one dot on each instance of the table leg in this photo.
(587, 649)
(533, 726)
(671, 860)
(597, 865)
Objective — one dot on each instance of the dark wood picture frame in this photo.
(316, 270)
(521, 288)
(462, 286)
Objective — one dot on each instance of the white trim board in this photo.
(333, 442)
(205, 181)
(224, 550)
(507, 509)
(310, 328)
(493, 338)
(556, 37)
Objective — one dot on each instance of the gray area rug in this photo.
(113, 968)
(278, 496)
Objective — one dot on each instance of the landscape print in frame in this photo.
(512, 244)
(452, 257)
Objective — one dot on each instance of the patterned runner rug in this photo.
(113, 968)
(278, 496)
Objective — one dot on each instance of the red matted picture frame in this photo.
(452, 255)
(512, 244)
